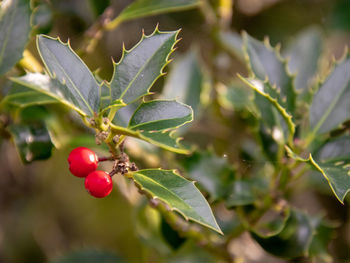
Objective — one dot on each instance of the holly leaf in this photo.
(63, 64)
(178, 193)
(14, 32)
(165, 140)
(330, 107)
(292, 241)
(54, 89)
(157, 115)
(214, 174)
(275, 116)
(304, 53)
(334, 170)
(265, 62)
(142, 8)
(141, 66)
(33, 141)
(21, 97)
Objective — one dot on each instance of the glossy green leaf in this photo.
(89, 256)
(178, 193)
(142, 8)
(330, 107)
(165, 140)
(14, 31)
(157, 115)
(53, 88)
(187, 82)
(212, 173)
(64, 65)
(304, 53)
(33, 141)
(293, 241)
(335, 172)
(123, 115)
(141, 66)
(264, 62)
(21, 97)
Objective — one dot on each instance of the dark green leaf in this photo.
(293, 241)
(186, 82)
(141, 66)
(142, 8)
(304, 54)
(123, 115)
(165, 140)
(14, 32)
(160, 115)
(89, 256)
(21, 97)
(213, 173)
(53, 88)
(62, 63)
(335, 172)
(330, 107)
(178, 193)
(264, 62)
(33, 141)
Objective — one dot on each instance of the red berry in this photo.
(82, 161)
(98, 184)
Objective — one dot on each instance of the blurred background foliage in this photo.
(46, 215)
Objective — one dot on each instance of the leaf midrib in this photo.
(141, 69)
(70, 80)
(174, 194)
(160, 120)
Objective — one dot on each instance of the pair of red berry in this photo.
(83, 163)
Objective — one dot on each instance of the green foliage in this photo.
(329, 108)
(178, 193)
(142, 8)
(160, 115)
(283, 117)
(14, 32)
(77, 83)
(293, 240)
